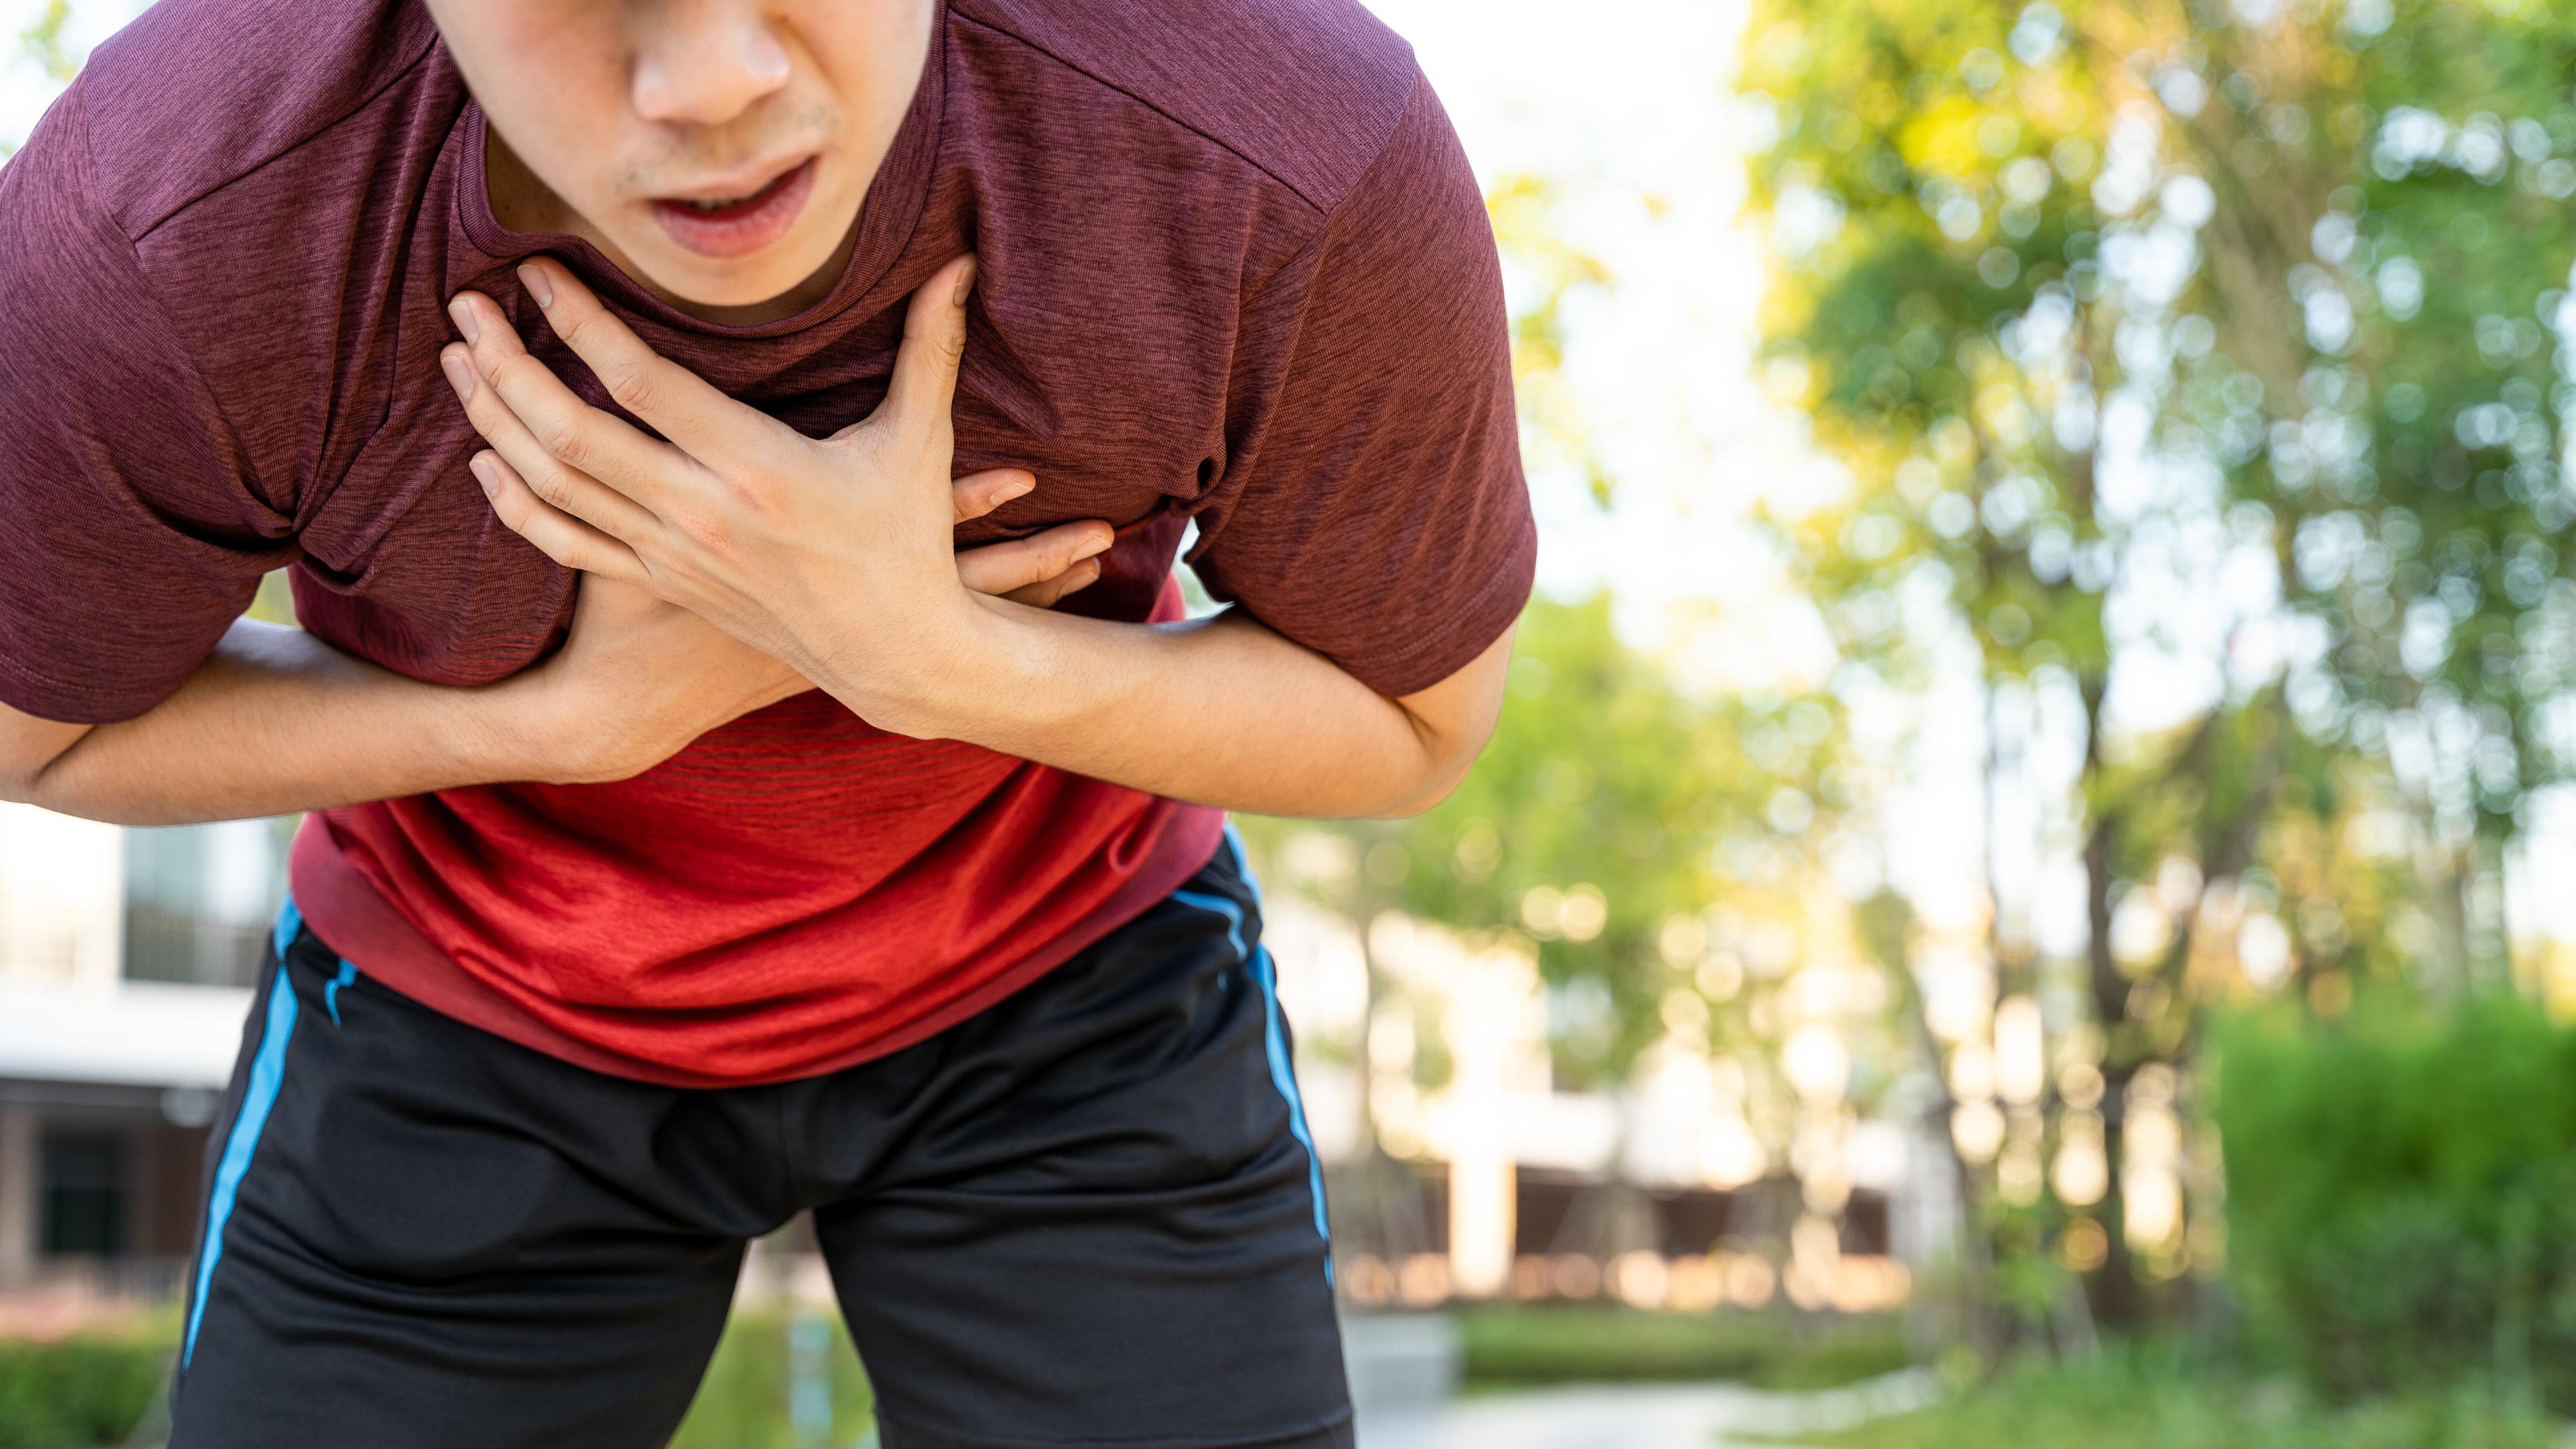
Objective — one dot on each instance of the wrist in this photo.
(941, 682)
(514, 729)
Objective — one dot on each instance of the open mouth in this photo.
(737, 226)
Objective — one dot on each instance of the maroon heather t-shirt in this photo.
(1234, 269)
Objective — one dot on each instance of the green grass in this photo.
(1512, 1346)
(2159, 1398)
(743, 1401)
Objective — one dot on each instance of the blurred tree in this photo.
(1609, 805)
(2205, 361)
(43, 40)
(1609, 814)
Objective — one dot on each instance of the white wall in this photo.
(62, 896)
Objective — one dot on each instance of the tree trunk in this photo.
(2115, 1298)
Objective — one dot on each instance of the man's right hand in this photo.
(637, 678)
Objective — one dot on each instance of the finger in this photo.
(572, 432)
(977, 494)
(559, 536)
(679, 404)
(924, 385)
(998, 568)
(1045, 595)
(560, 486)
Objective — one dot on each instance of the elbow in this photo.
(22, 778)
(1414, 805)
(1452, 722)
(31, 751)
(1445, 769)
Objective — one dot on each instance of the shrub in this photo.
(80, 1392)
(2402, 1193)
(91, 1391)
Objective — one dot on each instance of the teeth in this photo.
(712, 205)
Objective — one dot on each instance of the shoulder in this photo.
(1308, 91)
(196, 94)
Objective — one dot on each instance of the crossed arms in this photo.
(739, 563)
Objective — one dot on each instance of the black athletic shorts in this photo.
(1090, 1215)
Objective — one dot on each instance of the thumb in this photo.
(924, 386)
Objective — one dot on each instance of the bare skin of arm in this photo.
(826, 553)
(278, 721)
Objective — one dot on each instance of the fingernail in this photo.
(1017, 489)
(460, 374)
(1099, 543)
(463, 314)
(481, 468)
(537, 285)
(965, 280)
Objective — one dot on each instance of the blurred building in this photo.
(126, 958)
(1502, 1182)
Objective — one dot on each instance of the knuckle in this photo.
(563, 442)
(634, 386)
(510, 372)
(705, 529)
(749, 493)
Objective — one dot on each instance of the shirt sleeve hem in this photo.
(1452, 645)
(47, 698)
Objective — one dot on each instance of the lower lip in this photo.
(757, 221)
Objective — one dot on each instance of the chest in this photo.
(406, 565)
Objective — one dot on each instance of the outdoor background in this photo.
(2030, 864)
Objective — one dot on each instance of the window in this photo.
(199, 898)
(87, 1190)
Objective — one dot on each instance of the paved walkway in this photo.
(1643, 1416)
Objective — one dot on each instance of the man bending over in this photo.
(730, 457)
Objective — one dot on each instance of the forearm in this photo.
(277, 721)
(1220, 712)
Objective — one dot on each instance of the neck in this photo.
(520, 202)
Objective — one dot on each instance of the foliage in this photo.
(43, 41)
(1547, 272)
(2402, 1193)
(1511, 1346)
(2164, 1397)
(2078, 264)
(79, 1392)
(1609, 803)
(2221, 344)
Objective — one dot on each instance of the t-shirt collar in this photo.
(887, 216)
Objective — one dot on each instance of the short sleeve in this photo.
(1372, 506)
(132, 539)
